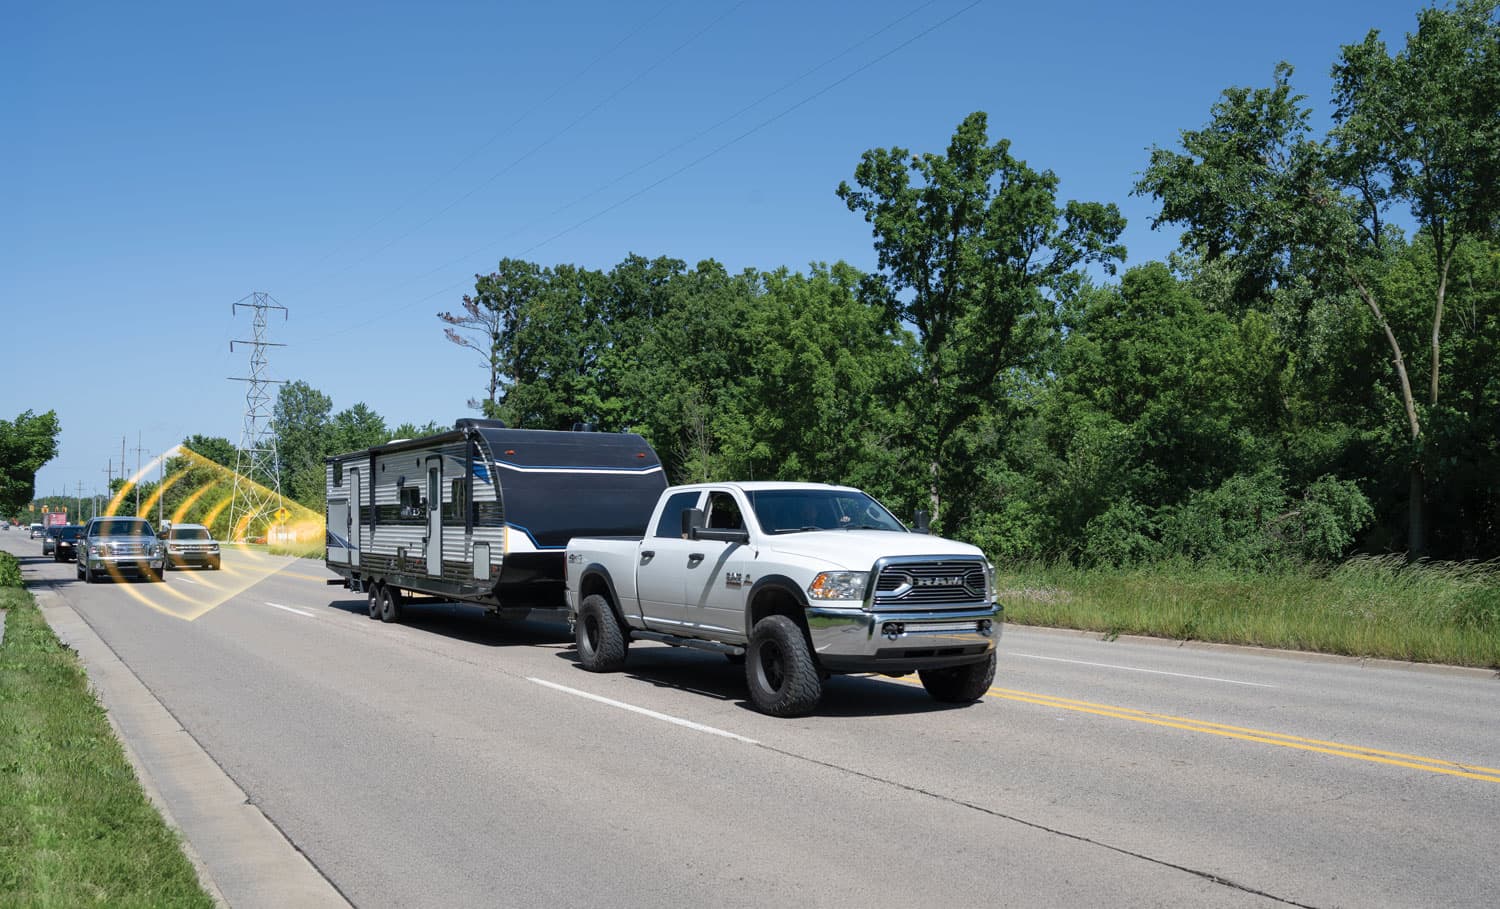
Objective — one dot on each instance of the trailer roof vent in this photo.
(583, 427)
(475, 423)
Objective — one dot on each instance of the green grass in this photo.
(75, 827)
(313, 550)
(1368, 607)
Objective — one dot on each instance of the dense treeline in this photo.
(1312, 373)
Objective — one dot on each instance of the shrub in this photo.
(1120, 537)
(10, 571)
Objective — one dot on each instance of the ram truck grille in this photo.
(928, 585)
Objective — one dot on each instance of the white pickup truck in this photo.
(798, 580)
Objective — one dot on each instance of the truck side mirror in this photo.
(920, 522)
(692, 522)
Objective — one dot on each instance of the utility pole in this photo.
(138, 450)
(79, 499)
(161, 480)
(109, 479)
(257, 468)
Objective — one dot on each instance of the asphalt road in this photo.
(457, 761)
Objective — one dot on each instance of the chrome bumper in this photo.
(849, 639)
(124, 563)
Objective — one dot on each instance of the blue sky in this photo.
(361, 162)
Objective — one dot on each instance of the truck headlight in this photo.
(839, 585)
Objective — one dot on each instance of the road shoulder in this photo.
(242, 858)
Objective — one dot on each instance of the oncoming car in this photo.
(64, 542)
(111, 546)
(191, 544)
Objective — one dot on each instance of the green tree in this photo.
(216, 448)
(412, 430)
(823, 387)
(302, 426)
(1418, 130)
(974, 253)
(26, 443)
(488, 317)
(549, 351)
(351, 429)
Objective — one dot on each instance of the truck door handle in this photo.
(648, 555)
(695, 557)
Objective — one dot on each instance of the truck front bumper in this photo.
(849, 639)
(124, 564)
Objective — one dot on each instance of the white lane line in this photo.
(643, 711)
(290, 609)
(190, 581)
(1180, 675)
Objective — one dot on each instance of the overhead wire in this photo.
(493, 138)
(658, 61)
(688, 166)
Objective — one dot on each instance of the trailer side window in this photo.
(411, 502)
(338, 473)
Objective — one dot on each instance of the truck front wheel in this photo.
(601, 640)
(779, 667)
(960, 684)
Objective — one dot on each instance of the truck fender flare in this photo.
(597, 570)
(782, 585)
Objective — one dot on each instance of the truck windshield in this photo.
(122, 527)
(189, 533)
(796, 510)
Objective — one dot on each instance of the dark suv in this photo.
(115, 545)
(64, 542)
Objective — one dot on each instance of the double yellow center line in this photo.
(1337, 749)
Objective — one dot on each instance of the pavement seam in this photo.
(82, 629)
(918, 790)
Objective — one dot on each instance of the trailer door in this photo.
(338, 530)
(435, 517)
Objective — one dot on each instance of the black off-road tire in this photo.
(372, 600)
(390, 604)
(783, 677)
(214, 565)
(960, 684)
(601, 641)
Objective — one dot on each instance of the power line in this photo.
(688, 166)
(680, 145)
(545, 142)
(495, 136)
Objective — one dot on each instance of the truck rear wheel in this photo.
(960, 684)
(601, 640)
(780, 669)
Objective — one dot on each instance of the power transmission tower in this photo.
(257, 469)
